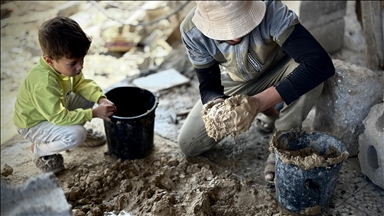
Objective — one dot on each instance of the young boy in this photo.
(55, 100)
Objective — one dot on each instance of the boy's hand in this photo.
(104, 110)
(105, 100)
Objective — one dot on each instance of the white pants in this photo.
(50, 139)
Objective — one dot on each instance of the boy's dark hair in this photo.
(63, 36)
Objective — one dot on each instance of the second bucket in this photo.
(131, 130)
(307, 167)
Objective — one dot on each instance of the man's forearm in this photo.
(315, 65)
(267, 98)
(210, 83)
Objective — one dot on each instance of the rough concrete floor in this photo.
(246, 156)
(354, 194)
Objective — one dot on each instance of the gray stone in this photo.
(324, 20)
(317, 13)
(40, 195)
(330, 35)
(345, 101)
(371, 146)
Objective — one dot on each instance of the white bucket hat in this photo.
(228, 20)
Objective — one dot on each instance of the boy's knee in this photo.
(77, 136)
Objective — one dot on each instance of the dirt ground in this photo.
(166, 182)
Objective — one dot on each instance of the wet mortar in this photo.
(163, 183)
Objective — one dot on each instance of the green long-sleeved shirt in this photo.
(44, 94)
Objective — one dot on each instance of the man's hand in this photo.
(104, 110)
(218, 100)
(232, 116)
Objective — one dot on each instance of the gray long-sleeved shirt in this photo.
(279, 34)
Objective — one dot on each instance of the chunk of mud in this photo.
(231, 117)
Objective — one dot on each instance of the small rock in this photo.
(125, 186)
(83, 201)
(73, 194)
(109, 178)
(71, 182)
(7, 170)
(120, 176)
(89, 213)
(107, 172)
(92, 177)
(96, 211)
(95, 185)
(78, 212)
(85, 208)
(106, 189)
(172, 163)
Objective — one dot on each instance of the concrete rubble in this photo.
(371, 145)
(39, 196)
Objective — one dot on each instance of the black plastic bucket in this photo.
(306, 189)
(131, 130)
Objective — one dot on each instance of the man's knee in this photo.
(193, 147)
(186, 147)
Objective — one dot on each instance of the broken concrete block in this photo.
(161, 80)
(345, 102)
(40, 195)
(371, 146)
